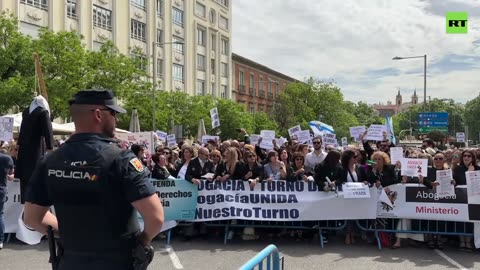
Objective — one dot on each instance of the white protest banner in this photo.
(414, 167)
(460, 137)
(352, 190)
(126, 140)
(414, 201)
(254, 139)
(215, 117)
(355, 132)
(396, 154)
(444, 178)
(329, 139)
(162, 136)
(6, 128)
(375, 133)
(171, 140)
(293, 130)
(267, 139)
(303, 136)
(206, 138)
(344, 141)
(277, 200)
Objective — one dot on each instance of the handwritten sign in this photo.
(254, 139)
(281, 141)
(303, 136)
(206, 138)
(414, 167)
(162, 136)
(444, 178)
(352, 190)
(375, 133)
(6, 128)
(460, 136)
(126, 140)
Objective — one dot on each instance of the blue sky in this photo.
(352, 42)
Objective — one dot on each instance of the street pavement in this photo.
(213, 254)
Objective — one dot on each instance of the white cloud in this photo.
(343, 40)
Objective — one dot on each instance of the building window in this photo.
(159, 67)
(102, 18)
(72, 9)
(159, 37)
(177, 16)
(261, 107)
(241, 78)
(260, 84)
(177, 47)
(140, 60)
(252, 81)
(138, 3)
(138, 30)
(269, 85)
(223, 23)
(41, 4)
(200, 88)
(252, 108)
(160, 8)
(214, 42)
(200, 10)
(212, 66)
(214, 91)
(201, 37)
(224, 2)
(213, 16)
(201, 62)
(223, 93)
(177, 72)
(224, 46)
(224, 70)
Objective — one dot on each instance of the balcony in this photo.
(252, 92)
(241, 89)
(261, 93)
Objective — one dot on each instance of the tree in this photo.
(472, 111)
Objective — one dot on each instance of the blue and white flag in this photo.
(320, 128)
(389, 125)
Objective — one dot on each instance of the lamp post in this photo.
(424, 76)
(154, 84)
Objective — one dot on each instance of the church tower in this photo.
(398, 99)
(415, 97)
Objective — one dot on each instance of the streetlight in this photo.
(424, 76)
(154, 54)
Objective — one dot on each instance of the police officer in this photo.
(94, 186)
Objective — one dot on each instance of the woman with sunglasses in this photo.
(439, 164)
(456, 157)
(167, 153)
(160, 170)
(468, 162)
(296, 172)
(250, 169)
(216, 158)
(330, 168)
(274, 169)
(229, 167)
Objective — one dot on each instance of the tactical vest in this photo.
(93, 214)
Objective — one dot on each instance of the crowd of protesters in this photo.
(368, 163)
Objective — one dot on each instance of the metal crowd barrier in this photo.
(179, 224)
(268, 257)
(415, 226)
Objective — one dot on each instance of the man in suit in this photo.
(199, 166)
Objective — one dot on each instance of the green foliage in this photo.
(472, 119)
(437, 136)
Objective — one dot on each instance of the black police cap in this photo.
(96, 97)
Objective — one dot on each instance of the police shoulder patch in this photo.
(137, 164)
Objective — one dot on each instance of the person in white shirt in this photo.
(316, 156)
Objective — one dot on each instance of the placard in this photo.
(444, 178)
(303, 136)
(293, 130)
(460, 137)
(355, 132)
(6, 128)
(171, 140)
(375, 133)
(215, 117)
(254, 139)
(414, 167)
(126, 140)
(162, 136)
(396, 154)
(206, 138)
(353, 190)
(473, 182)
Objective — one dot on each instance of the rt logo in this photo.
(457, 22)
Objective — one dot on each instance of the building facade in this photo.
(391, 109)
(256, 86)
(199, 63)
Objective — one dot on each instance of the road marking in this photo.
(450, 260)
(173, 257)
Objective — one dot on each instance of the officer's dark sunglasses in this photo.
(112, 112)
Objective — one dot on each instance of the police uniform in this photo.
(91, 182)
